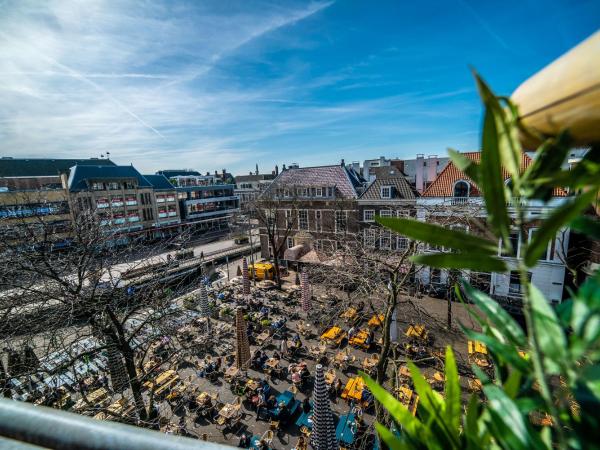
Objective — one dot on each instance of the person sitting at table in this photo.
(265, 388)
(218, 363)
(369, 338)
(261, 403)
(244, 441)
(262, 445)
(271, 402)
(360, 306)
(284, 412)
(304, 374)
(263, 359)
(306, 407)
(339, 387)
(256, 359)
(351, 332)
(276, 355)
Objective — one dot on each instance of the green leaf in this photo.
(550, 227)
(550, 335)
(465, 165)
(494, 189)
(513, 383)
(547, 163)
(472, 417)
(585, 174)
(506, 417)
(392, 441)
(428, 398)
(437, 235)
(397, 410)
(461, 261)
(452, 388)
(509, 146)
(497, 315)
(586, 225)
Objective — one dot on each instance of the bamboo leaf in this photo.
(550, 335)
(452, 388)
(437, 235)
(492, 185)
(392, 441)
(508, 420)
(464, 164)
(397, 410)
(557, 220)
(429, 399)
(461, 261)
(508, 144)
(497, 315)
(586, 225)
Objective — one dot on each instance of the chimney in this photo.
(272, 172)
(342, 163)
(223, 172)
(283, 168)
(216, 173)
(256, 168)
(207, 173)
(276, 169)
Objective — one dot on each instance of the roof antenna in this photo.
(101, 156)
(107, 155)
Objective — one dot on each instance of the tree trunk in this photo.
(381, 367)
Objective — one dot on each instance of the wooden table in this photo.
(229, 411)
(317, 352)
(252, 385)
(376, 321)
(231, 373)
(349, 314)
(334, 335)
(329, 376)
(360, 339)
(476, 347)
(353, 389)
(262, 337)
(370, 363)
(408, 398)
(303, 328)
(94, 398)
(417, 331)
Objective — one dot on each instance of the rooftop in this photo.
(80, 175)
(44, 167)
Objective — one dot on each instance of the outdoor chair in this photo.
(268, 437)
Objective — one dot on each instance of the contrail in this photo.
(99, 88)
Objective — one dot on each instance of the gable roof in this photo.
(443, 185)
(159, 182)
(346, 181)
(402, 188)
(44, 167)
(81, 174)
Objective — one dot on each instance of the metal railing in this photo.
(23, 425)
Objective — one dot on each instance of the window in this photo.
(303, 219)
(514, 283)
(319, 192)
(386, 191)
(385, 242)
(370, 237)
(113, 186)
(436, 276)
(402, 243)
(461, 189)
(289, 221)
(329, 192)
(385, 213)
(290, 242)
(318, 220)
(340, 221)
(97, 186)
(402, 213)
(514, 243)
(547, 255)
(369, 215)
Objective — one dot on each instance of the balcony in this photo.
(170, 199)
(119, 220)
(102, 205)
(134, 218)
(26, 426)
(131, 202)
(162, 214)
(116, 204)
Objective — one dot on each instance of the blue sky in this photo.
(215, 84)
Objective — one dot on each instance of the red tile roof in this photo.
(443, 185)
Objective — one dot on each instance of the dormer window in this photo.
(386, 191)
(461, 189)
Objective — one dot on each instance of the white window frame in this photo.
(318, 220)
(385, 213)
(319, 192)
(404, 241)
(385, 240)
(290, 242)
(402, 213)
(519, 244)
(369, 215)
(345, 218)
(546, 257)
(300, 219)
(389, 190)
(289, 219)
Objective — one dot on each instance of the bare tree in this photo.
(105, 287)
